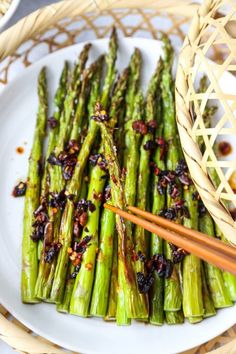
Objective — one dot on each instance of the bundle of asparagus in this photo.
(109, 142)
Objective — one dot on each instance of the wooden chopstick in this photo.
(217, 257)
(190, 233)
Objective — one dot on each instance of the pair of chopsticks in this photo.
(207, 248)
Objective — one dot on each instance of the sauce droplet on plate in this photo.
(225, 148)
(20, 150)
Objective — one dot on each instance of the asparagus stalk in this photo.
(132, 165)
(111, 70)
(81, 107)
(132, 150)
(132, 91)
(133, 82)
(112, 303)
(64, 305)
(154, 110)
(57, 183)
(29, 247)
(144, 166)
(192, 281)
(214, 275)
(103, 267)
(230, 279)
(53, 132)
(104, 260)
(75, 183)
(209, 309)
(73, 92)
(173, 296)
(81, 295)
(134, 307)
(94, 94)
(174, 317)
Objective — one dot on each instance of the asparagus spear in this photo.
(73, 92)
(112, 303)
(173, 296)
(29, 247)
(132, 91)
(158, 202)
(54, 123)
(75, 183)
(81, 107)
(192, 281)
(209, 309)
(64, 305)
(132, 150)
(80, 298)
(53, 132)
(174, 317)
(81, 295)
(144, 167)
(57, 183)
(133, 82)
(134, 307)
(94, 94)
(230, 279)
(104, 260)
(214, 275)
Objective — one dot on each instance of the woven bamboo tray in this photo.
(209, 29)
(63, 24)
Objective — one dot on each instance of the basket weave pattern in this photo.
(209, 29)
(64, 24)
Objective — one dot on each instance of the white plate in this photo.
(17, 120)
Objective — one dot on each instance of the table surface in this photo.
(25, 7)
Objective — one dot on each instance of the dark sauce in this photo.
(225, 148)
(20, 150)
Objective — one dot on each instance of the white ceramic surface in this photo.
(17, 119)
(10, 12)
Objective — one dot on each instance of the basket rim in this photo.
(41, 19)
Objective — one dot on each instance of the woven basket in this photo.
(63, 24)
(208, 30)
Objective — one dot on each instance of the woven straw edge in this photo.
(199, 175)
(40, 20)
(28, 27)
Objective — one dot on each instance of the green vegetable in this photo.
(129, 296)
(75, 183)
(173, 296)
(192, 281)
(100, 295)
(215, 280)
(29, 247)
